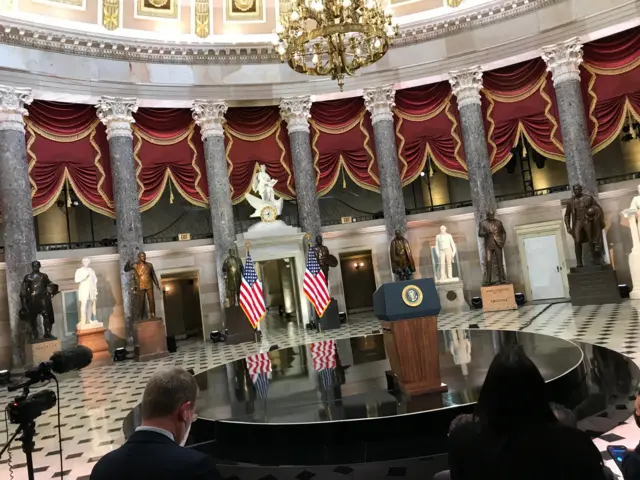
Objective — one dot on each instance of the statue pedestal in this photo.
(496, 298)
(239, 330)
(330, 320)
(41, 351)
(92, 337)
(152, 340)
(451, 295)
(593, 285)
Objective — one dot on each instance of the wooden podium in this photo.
(409, 314)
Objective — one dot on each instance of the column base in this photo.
(497, 298)
(93, 338)
(41, 351)
(152, 340)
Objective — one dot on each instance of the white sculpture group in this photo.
(87, 295)
(266, 206)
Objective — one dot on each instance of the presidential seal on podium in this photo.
(412, 295)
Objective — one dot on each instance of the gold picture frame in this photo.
(62, 3)
(158, 8)
(244, 11)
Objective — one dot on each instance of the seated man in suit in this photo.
(155, 449)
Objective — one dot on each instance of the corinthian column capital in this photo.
(209, 115)
(380, 102)
(466, 85)
(117, 115)
(296, 111)
(563, 60)
(12, 111)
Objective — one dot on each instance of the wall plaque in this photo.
(498, 297)
(157, 8)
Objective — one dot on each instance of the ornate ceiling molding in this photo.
(38, 36)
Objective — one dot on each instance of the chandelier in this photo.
(334, 37)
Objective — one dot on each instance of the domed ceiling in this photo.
(178, 29)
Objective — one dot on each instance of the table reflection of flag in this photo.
(259, 367)
(323, 357)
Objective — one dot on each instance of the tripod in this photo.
(28, 430)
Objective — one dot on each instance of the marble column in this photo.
(563, 61)
(15, 207)
(296, 112)
(209, 115)
(466, 85)
(380, 102)
(117, 115)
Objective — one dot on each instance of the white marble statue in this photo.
(87, 295)
(460, 347)
(446, 252)
(267, 207)
(635, 202)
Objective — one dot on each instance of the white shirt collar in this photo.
(161, 431)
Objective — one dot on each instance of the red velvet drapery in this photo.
(611, 85)
(342, 137)
(66, 142)
(518, 100)
(253, 136)
(167, 147)
(427, 124)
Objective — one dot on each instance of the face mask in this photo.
(186, 436)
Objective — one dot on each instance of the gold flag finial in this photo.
(247, 245)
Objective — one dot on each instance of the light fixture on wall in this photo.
(166, 289)
(358, 265)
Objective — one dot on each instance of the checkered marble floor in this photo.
(94, 402)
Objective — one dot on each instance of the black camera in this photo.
(26, 409)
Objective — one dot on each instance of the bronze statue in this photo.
(495, 236)
(584, 220)
(401, 258)
(145, 277)
(36, 294)
(325, 259)
(233, 270)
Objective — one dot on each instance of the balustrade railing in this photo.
(243, 225)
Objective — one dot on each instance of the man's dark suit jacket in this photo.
(154, 456)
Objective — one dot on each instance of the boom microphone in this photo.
(60, 362)
(72, 359)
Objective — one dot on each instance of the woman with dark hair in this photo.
(516, 434)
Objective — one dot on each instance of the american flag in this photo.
(323, 357)
(315, 284)
(251, 297)
(259, 367)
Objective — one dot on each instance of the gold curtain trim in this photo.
(283, 153)
(163, 141)
(626, 110)
(613, 71)
(61, 138)
(32, 159)
(458, 143)
(372, 160)
(492, 127)
(550, 117)
(103, 176)
(592, 106)
(156, 199)
(253, 138)
(421, 118)
(83, 200)
(139, 167)
(316, 135)
(204, 201)
(403, 159)
(523, 131)
(521, 96)
(338, 130)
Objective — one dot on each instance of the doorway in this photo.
(181, 300)
(358, 280)
(280, 294)
(543, 258)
